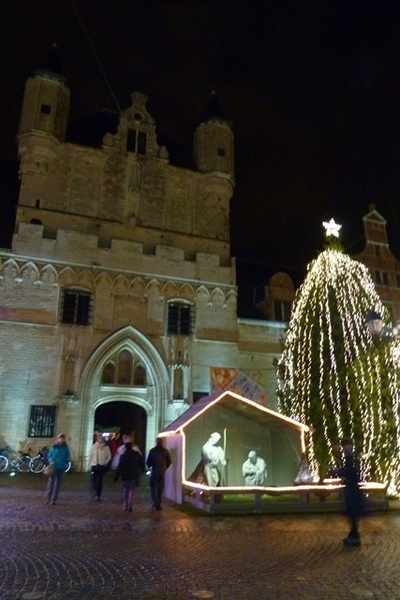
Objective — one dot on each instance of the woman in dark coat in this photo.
(130, 467)
(354, 497)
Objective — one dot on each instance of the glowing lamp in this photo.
(374, 323)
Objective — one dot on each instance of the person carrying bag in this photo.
(59, 457)
(100, 457)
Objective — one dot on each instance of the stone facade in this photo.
(381, 262)
(119, 286)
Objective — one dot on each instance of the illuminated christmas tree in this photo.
(333, 375)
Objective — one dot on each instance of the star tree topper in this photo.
(331, 228)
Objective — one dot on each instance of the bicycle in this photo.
(40, 461)
(8, 462)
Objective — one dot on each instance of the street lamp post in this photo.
(377, 328)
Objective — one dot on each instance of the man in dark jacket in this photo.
(130, 467)
(158, 461)
(354, 497)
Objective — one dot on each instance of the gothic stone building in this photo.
(119, 289)
(119, 286)
(383, 265)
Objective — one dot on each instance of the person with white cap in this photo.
(213, 460)
(254, 469)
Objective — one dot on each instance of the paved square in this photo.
(81, 550)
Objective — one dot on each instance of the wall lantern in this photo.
(374, 323)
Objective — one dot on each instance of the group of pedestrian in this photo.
(127, 463)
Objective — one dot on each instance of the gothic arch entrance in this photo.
(128, 417)
(125, 368)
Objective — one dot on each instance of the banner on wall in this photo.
(250, 384)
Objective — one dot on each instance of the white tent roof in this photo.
(236, 403)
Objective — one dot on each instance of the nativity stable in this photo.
(226, 445)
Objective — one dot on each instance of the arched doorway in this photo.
(127, 416)
(126, 367)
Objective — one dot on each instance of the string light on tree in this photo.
(332, 374)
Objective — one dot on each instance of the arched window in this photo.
(108, 375)
(136, 141)
(139, 377)
(178, 384)
(124, 367)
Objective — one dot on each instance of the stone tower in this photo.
(213, 141)
(45, 106)
(214, 156)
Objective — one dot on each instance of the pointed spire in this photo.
(213, 110)
(51, 64)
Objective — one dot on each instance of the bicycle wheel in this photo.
(68, 467)
(37, 465)
(3, 463)
(23, 464)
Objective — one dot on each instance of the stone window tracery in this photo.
(139, 377)
(124, 369)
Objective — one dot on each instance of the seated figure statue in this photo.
(254, 469)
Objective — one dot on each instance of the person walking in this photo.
(100, 456)
(354, 498)
(115, 443)
(58, 459)
(126, 438)
(130, 467)
(158, 461)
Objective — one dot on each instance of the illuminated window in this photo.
(76, 307)
(180, 318)
(42, 421)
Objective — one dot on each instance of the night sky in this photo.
(313, 90)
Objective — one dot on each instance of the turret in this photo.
(45, 106)
(213, 141)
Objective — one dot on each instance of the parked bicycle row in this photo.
(25, 463)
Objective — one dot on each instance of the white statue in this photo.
(254, 469)
(213, 460)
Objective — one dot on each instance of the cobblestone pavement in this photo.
(81, 549)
